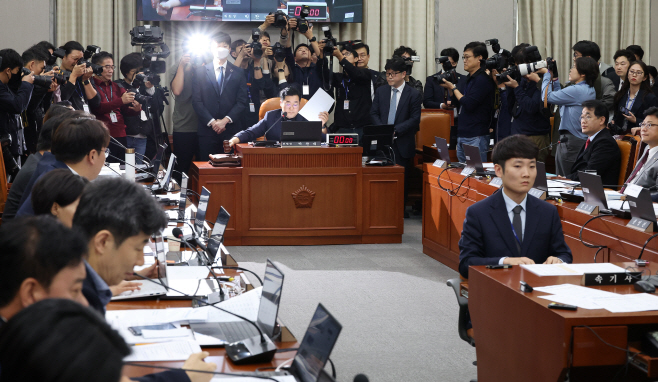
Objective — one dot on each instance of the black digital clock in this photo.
(317, 11)
(348, 139)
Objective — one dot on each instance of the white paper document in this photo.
(167, 351)
(245, 305)
(281, 378)
(167, 333)
(139, 317)
(626, 303)
(321, 101)
(584, 303)
(564, 269)
(183, 272)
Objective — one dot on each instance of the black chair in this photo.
(463, 315)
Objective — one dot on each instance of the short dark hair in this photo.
(236, 44)
(518, 53)
(396, 63)
(404, 49)
(10, 59)
(452, 53)
(349, 48)
(265, 34)
(361, 45)
(99, 57)
(600, 110)
(38, 247)
(35, 53)
(289, 92)
(221, 37)
(120, 206)
(588, 49)
(61, 340)
(636, 50)
(52, 120)
(75, 138)
(59, 186)
(625, 53)
(588, 67)
(478, 49)
(652, 111)
(71, 46)
(129, 62)
(652, 71)
(46, 45)
(300, 46)
(514, 146)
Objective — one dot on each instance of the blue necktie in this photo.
(220, 79)
(391, 110)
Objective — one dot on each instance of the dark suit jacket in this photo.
(271, 122)
(610, 73)
(487, 234)
(407, 116)
(602, 155)
(208, 103)
(47, 163)
(643, 101)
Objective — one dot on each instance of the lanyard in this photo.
(630, 102)
(249, 85)
(79, 92)
(105, 94)
(347, 90)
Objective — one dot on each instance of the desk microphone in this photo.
(552, 144)
(178, 233)
(283, 115)
(360, 378)
(257, 349)
(135, 167)
(117, 143)
(113, 170)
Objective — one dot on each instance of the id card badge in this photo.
(252, 108)
(346, 105)
(305, 90)
(113, 117)
(143, 115)
(85, 107)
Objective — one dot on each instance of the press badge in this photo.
(85, 107)
(143, 115)
(305, 90)
(346, 105)
(113, 117)
(252, 108)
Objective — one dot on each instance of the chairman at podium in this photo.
(270, 126)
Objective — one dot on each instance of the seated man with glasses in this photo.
(270, 126)
(600, 153)
(645, 173)
(116, 103)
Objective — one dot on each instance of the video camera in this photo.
(330, 42)
(449, 73)
(410, 63)
(256, 46)
(280, 19)
(279, 52)
(500, 60)
(150, 38)
(302, 24)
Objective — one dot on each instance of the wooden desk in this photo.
(520, 339)
(443, 219)
(304, 196)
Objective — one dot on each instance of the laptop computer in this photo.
(444, 154)
(268, 309)
(182, 201)
(474, 160)
(642, 206)
(301, 133)
(202, 207)
(156, 165)
(163, 184)
(593, 192)
(217, 234)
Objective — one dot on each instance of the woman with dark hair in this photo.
(634, 97)
(58, 193)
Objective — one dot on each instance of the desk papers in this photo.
(280, 378)
(590, 298)
(321, 101)
(564, 269)
(167, 351)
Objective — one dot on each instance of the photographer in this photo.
(256, 82)
(78, 89)
(474, 98)
(525, 106)
(143, 128)
(116, 104)
(305, 74)
(34, 60)
(11, 105)
(352, 93)
(406, 53)
(570, 99)
(363, 58)
(184, 117)
(438, 97)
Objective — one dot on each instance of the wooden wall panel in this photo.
(381, 214)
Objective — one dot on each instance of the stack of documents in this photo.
(121, 320)
(169, 351)
(589, 298)
(564, 269)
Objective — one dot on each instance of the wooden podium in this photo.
(304, 196)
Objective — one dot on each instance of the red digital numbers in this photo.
(341, 139)
(298, 11)
(314, 12)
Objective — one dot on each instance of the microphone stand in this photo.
(135, 167)
(117, 143)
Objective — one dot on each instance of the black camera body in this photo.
(552, 66)
(329, 41)
(256, 46)
(280, 19)
(86, 55)
(279, 52)
(140, 78)
(501, 58)
(151, 38)
(302, 23)
(410, 63)
(146, 34)
(531, 54)
(57, 53)
(41, 81)
(449, 72)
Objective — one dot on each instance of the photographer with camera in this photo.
(438, 97)
(11, 105)
(116, 104)
(78, 89)
(410, 56)
(305, 74)
(184, 117)
(353, 101)
(570, 99)
(474, 99)
(35, 60)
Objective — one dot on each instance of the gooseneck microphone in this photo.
(360, 378)
(178, 233)
(283, 115)
(135, 167)
(117, 143)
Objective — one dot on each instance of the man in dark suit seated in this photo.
(600, 152)
(270, 126)
(399, 104)
(219, 99)
(645, 173)
(510, 226)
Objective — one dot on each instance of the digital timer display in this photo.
(343, 139)
(317, 11)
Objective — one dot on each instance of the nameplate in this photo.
(587, 208)
(633, 190)
(620, 278)
(440, 163)
(468, 170)
(640, 224)
(301, 144)
(537, 193)
(496, 182)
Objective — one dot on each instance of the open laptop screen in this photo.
(164, 183)
(318, 342)
(217, 235)
(182, 201)
(201, 211)
(270, 299)
(161, 257)
(540, 181)
(442, 148)
(593, 192)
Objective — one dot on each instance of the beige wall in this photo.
(653, 59)
(24, 23)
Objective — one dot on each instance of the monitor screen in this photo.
(335, 11)
(201, 211)
(270, 298)
(217, 234)
(182, 201)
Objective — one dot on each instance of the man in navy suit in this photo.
(270, 126)
(399, 105)
(220, 98)
(510, 226)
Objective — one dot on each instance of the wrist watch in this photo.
(86, 82)
(454, 88)
(281, 71)
(314, 39)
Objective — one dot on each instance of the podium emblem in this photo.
(303, 197)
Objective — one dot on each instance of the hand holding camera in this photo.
(128, 97)
(29, 78)
(78, 70)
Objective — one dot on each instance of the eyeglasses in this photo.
(108, 67)
(634, 73)
(346, 54)
(465, 57)
(647, 125)
(586, 117)
(392, 74)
